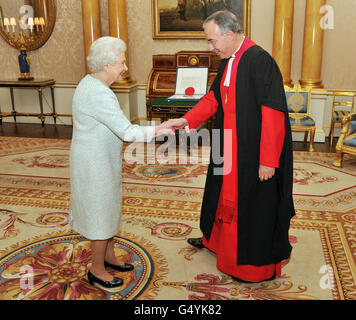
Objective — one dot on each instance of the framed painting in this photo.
(183, 19)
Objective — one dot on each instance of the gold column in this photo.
(91, 25)
(313, 45)
(283, 37)
(118, 29)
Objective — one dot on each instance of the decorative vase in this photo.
(24, 64)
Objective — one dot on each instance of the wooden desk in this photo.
(163, 109)
(39, 85)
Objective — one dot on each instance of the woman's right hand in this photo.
(164, 129)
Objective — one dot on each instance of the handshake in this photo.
(169, 127)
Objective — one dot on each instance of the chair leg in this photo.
(311, 143)
(338, 161)
(331, 134)
(306, 136)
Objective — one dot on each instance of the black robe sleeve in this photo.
(269, 83)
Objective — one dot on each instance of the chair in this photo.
(347, 138)
(299, 101)
(343, 104)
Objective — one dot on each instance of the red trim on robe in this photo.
(202, 111)
(272, 137)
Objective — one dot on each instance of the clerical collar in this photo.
(229, 67)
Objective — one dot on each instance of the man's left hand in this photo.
(265, 173)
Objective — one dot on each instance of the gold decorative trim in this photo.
(298, 116)
(336, 254)
(155, 81)
(157, 34)
(311, 83)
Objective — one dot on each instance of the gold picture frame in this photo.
(183, 19)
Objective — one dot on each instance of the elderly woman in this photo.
(99, 129)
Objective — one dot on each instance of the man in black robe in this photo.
(245, 214)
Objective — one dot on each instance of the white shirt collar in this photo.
(229, 67)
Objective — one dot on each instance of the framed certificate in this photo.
(191, 84)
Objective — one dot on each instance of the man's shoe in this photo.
(243, 281)
(196, 242)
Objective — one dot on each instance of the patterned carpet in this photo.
(41, 257)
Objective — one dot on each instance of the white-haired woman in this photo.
(99, 129)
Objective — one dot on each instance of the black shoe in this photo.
(116, 282)
(243, 281)
(196, 242)
(123, 268)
